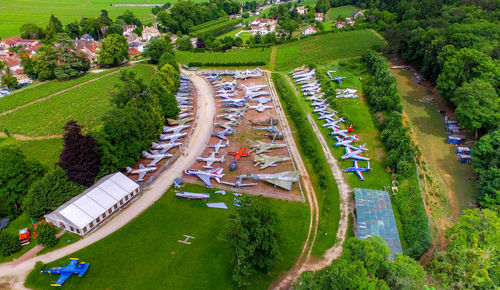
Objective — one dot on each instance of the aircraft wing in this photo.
(62, 278)
(267, 164)
(356, 165)
(205, 179)
(141, 166)
(155, 160)
(360, 174)
(141, 176)
(281, 183)
(359, 157)
(72, 263)
(348, 150)
(172, 140)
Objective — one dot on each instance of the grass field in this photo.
(145, 253)
(235, 55)
(85, 104)
(342, 11)
(45, 151)
(22, 221)
(35, 92)
(325, 47)
(15, 13)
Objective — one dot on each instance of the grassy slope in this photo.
(146, 254)
(343, 11)
(325, 47)
(85, 104)
(45, 151)
(243, 55)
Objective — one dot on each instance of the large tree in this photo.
(164, 85)
(31, 31)
(114, 50)
(169, 58)
(8, 80)
(16, 176)
(9, 243)
(156, 48)
(80, 157)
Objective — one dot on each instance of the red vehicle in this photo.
(24, 237)
(237, 156)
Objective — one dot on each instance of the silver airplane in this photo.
(184, 115)
(318, 103)
(175, 129)
(261, 147)
(193, 195)
(223, 134)
(173, 137)
(239, 183)
(210, 160)
(354, 154)
(142, 171)
(217, 146)
(260, 107)
(265, 160)
(253, 88)
(282, 179)
(263, 100)
(205, 176)
(165, 147)
(226, 125)
(156, 156)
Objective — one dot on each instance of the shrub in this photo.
(46, 235)
(9, 243)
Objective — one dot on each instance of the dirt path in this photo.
(58, 93)
(286, 281)
(14, 275)
(274, 52)
(29, 138)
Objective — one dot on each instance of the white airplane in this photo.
(314, 98)
(226, 95)
(306, 74)
(253, 88)
(321, 109)
(193, 195)
(311, 84)
(172, 138)
(318, 103)
(184, 115)
(217, 146)
(206, 175)
(346, 142)
(333, 123)
(156, 156)
(239, 183)
(354, 154)
(234, 100)
(142, 171)
(342, 133)
(186, 107)
(210, 160)
(260, 107)
(328, 116)
(165, 147)
(263, 100)
(175, 129)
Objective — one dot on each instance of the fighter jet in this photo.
(184, 99)
(359, 170)
(263, 100)
(253, 88)
(333, 124)
(338, 79)
(239, 183)
(346, 141)
(282, 179)
(184, 103)
(156, 156)
(265, 160)
(238, 112)
(226, 125)
(261, 147)
(185, 107)
(173, 137)
(354, 154)
(175, 129)
(223, 134)
(318, 103)
(321, 109)
(142, 171)
(218, 145)
(226, 95)
(210, 160)
(314, 98)
(180, 121)
(311, 84)
(270, 129)
(304, 74)
(206, 175)
(184, 115)
(227, 84)
(238, 104)
(260, 107)
(342, 133)
(268, 122)
(193, 195)
(234, 100)
(328, 116)
(253, 95)
(230, 117)
(67, 271)
(165, 147)
(237, 156)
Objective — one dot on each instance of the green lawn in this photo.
(64, 240)
(326, 47)
(145, 253)
(15, 13)
(234, 55)
(343, 11)
(21, 222)
(85, 104)
(45, 151)
(34, 92)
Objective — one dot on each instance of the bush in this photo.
(39, 265)
(9, 243)
(46, 235)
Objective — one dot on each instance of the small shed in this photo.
(88, 210)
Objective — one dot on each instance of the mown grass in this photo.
(45, 151)
(325, 47)
(342, 11)
(145, 253)
(235, 55)
(35, 92)
(64, 240)
(85, 104)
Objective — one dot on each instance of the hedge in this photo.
(216, 64)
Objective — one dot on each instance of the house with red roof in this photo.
(309, 30)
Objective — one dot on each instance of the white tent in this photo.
(87, 210)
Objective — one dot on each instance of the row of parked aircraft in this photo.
(311, 88)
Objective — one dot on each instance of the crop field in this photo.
(15, 13)
(45, 151)
(243, 55)
(325, 47)
(342, 11)
(145, 253)
(85, 104)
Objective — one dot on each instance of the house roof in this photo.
(311, 27)
(11, 40)
(133, 51)
(33, 47)
(11, 61)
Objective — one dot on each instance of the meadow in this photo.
(145, 253)
(85, 104)
(45, 151)
(325, 47)
(234, 55)
(342, 11)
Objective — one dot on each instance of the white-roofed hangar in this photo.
(86, 211)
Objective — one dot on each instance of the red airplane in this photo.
(237, 156)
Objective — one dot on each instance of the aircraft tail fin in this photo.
(368, 165)
(129, 169)
(350, 129)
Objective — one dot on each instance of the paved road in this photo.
(13, 274)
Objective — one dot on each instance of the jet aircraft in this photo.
(281, 179)
(172, 137)
(239, 183)
(142, 171)
(260, 107)
(165, 147)
(237, 156)
(193, 195)
(67, 271)
(265, 160)
(354, 154)
(180, 121)
(358, 170)
(175, 129)
(218, 145)
(206, 175)
(223, 134)
(156, 156)
(261, 147)
(210, 160)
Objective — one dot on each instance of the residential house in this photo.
(33, 49)
(263, 26)
(194, 42)
(88, 46)
(132, 38)
(349, 21)
(128, 29)
(149, 32)
(301, 10)
(318, 16)
(15, 41)
(137, 45)
(309, 30)
(133, 51)
(13, 63)
(358, 13)
(340, 24)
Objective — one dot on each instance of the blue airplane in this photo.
(338, 79)
(354, 154)
(358, 170)
(66, 272)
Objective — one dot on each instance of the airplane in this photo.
(239, 183)
(193, 195)
(237, 156)
(67, 271)
(265, 160)
(218, 145)
(184, 99)
(156, 156)
(342, 133)
(248, 74)
(176, 129)
(260, 107)
(338, 79)
(261, 147)
(281, 179)
(206, 175)
(210, 160)
(142, 171)
(311, 84)
(268, 122)
(321, 109)
(263, 100)
(310, 88)
(185, 107)
(230, 117)
(318, 103)
(225, 84)
(180, 121)
(234, 100)
(346, 141)
(182, 103)
(235, 104)
(328, 116)
(253, 88)
(165, 147)
(226, 95)
(333, 124)
(223, 134)
(314, 98)
(226, 125)
(359, 170)
(354, 154)
(306, 74)
(184, 115)
(240, 111)
(270, 129)
(173, 137)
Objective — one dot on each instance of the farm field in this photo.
(15, 13)
(45, 151)
(85, 104)
(342, 11)
(148, 245)
(243, 55)
(326, 47)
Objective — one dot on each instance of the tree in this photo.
(91, 26)
(16, 176)
(164, 85)
(373, 253)
(156, 48)
(115, 28)
(8, 80)
(253, 233)
(184, 43)
(9, 243)
(55, 26)
(129, 18)
(477, 105)
(405, 273)
(48, 193)
(216, 45)
(114, 50)
(104, 18)
(79, 157)
(31, 31)
(73, 29)
(71, 65)
(46, 235)
(169, 58)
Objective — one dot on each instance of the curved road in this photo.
(14, 274)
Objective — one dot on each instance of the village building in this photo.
(301, 10)
(358, 13)
(15, 41)
(128, 29)
(340, 24)
(349, 21)
(318, 16)
(86, 211)
(149, 32)
(133, 51)
(88, 46)
(13, 63)
(263, 26)
(137, 45)
(309, 30)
